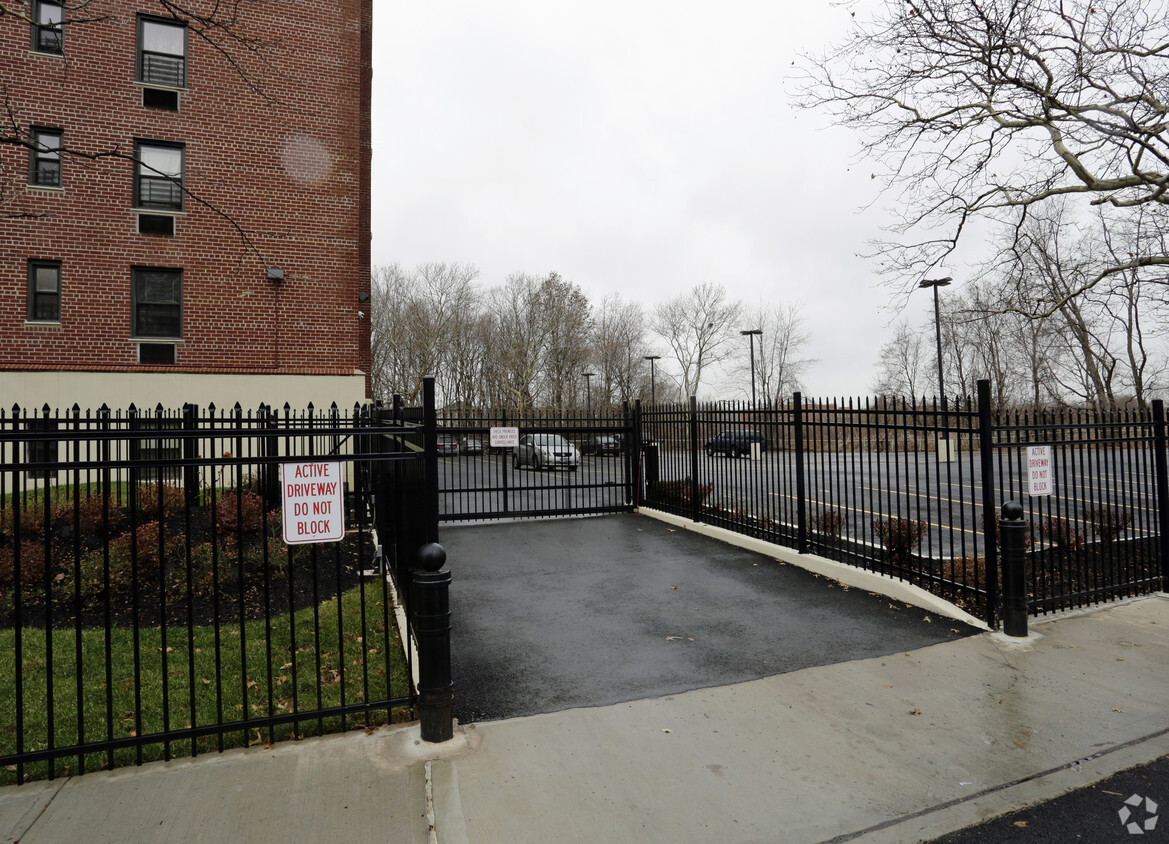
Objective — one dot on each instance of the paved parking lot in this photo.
(554, 614)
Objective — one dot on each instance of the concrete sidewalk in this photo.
(894, 748)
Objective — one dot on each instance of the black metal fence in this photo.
(910, 489)
(561, 465)
(157, 600)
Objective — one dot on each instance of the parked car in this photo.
(447, 444)
(471, 445)
(545, 451)
(735, 443)
(601, 445)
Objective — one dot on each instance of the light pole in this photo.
(935, 283)
(751, 332)
(653, 393)
(589, 393)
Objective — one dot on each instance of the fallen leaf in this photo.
(887, 685)
(665, 730)
(1020, 823)
(673, 587)
(1121, 711)
(915, 712)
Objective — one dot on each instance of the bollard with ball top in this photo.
(432, 629)
(1012, 553)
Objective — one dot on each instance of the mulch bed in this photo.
(249, 587)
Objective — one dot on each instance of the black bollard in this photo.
(1012, 553)
(432, 629)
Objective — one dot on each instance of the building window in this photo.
(158, 303)
(162, 52)
(47, 33)
(158, 181)
(39, 448)
(44, 291)
(44, 162)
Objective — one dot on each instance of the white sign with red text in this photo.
(314, 509)
(1040, 470)
(504, 437)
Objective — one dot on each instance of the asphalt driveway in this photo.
(551, 615)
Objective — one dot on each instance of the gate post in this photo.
(432, 629)
(695, 509)
(1162, 470)
(801, 482)
(986, 461)
(1014, 538)
(190, 454)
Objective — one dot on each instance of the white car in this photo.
(545, 451)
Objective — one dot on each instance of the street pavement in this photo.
(906, 745)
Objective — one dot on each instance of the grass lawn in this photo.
(125, 686)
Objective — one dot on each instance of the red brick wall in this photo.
(292, 174)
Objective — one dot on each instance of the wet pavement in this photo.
(588, 612)
(1133, 802)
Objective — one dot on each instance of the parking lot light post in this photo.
(589, 393)
(935, 283)
(945, 454)
(750, 333)
(652, 389)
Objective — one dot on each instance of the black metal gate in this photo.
(558, 465)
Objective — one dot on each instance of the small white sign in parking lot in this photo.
(505, 437)
(1040, 470)
(314, 509)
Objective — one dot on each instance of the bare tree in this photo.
(697, 326)
(989, 109)
(903, 364)
(517, 340)
(388, 310)
(416, 319)
(619, 349)
(779, 364)
(565, 312)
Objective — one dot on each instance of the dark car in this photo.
(471, 445)
(447, 444)
(601, 445)
(735, 443)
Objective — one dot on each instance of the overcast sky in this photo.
(634, 147)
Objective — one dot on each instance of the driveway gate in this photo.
(479, 481)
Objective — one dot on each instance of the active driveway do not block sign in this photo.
(313, 502)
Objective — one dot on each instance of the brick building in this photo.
(184, 216)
